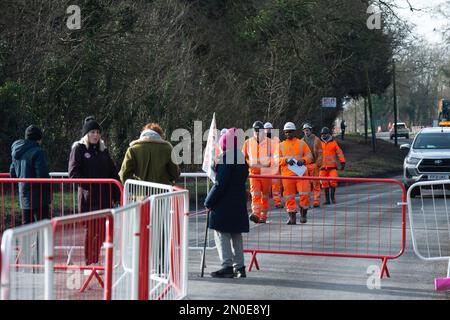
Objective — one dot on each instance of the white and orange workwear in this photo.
(331, 152)
(315, 145)
(294, 149)
(257, 157)
(274, 169)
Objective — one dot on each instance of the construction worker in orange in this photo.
(257, 157)
(331, 151)
(315, 145)
(294, 152)
(274, 168)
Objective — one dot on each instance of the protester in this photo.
(30, 161)
(227, 202)
(89, 158)
(150, 158)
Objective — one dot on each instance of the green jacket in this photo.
(150, 160)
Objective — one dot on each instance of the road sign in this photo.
(329, 102)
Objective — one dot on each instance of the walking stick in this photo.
(204, 245)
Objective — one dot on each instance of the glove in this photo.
(301, 162)
(290, 162)
(342, 165)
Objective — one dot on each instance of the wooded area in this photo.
(176, 61)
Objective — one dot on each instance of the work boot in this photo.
(292, 218)
(327, 196)
(240, 273)
(303, 213)
(254, 218)
(333, 194)
(226, 272)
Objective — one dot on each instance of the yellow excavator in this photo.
(444, 113)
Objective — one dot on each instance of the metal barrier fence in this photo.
(27, 262)
(367, 221)
(127, 237)
(24, 201)
(165, 232)
(198, 185)
(83, 245)
(428, 209)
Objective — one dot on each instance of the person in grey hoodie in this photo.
(30, 161)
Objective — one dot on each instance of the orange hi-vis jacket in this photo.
(292, 149)
(316, 149)
(274, 168)
(257, 154)
(331, 151)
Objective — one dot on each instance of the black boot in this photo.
(226, 272)
(240, 273)
(254, 218)
(303, 213)
(292, 218)
(327, 196)
(333, 194)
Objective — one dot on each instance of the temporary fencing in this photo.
(27, 262)
(24, 201)
(83, 251)
(367, 221)
(428, 209)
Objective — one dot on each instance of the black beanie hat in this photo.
(33, 133)
(90, 124)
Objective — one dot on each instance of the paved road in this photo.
(366, 220)
(400, 140)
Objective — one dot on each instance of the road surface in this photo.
(329, 229)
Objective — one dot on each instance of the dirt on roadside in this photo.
(362, 162)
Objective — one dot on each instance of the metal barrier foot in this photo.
(384, 269)
(442, 284)
(253, 261)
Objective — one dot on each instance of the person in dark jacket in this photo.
(30, 161)
(89, 158)
(150, 158)
(227, 202)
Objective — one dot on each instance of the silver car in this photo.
(428, 157)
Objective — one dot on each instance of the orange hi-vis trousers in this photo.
(314, 171)
(291, 187)
(260, 191)
(329, 172)
(276, 192)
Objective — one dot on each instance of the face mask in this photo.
(269, 135)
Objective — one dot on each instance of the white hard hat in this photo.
(307, 126)
(289, 126)
(268, 125)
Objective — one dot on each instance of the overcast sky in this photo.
(428, 22)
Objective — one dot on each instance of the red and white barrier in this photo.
(429, 209)
(64, 195)
(368, 221)
(27, 262)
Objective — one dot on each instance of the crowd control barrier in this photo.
(27, 262)
(368, 221)
(428, 210)
(24, 201)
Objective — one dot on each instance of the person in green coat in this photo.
(150, 158)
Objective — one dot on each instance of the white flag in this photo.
(212, 151)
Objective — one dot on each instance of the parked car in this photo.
(402, 131)
(428, 157)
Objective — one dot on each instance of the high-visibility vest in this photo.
(331, 151)
(295, 149)
(274, 168)
(257, 154)
(315, 145)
